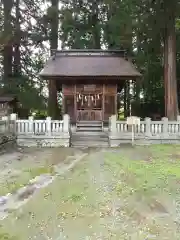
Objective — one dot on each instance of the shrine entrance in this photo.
(89, 102)
(89, 107)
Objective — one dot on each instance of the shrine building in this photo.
(89, 81)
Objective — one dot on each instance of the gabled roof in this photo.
(78, 63)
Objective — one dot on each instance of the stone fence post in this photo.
(48, 125)
(178, 120)
(148, 127)
(31, 124)
(112, 122)
(66, 123)
(13, 118)
(165, 126)
(4, 127)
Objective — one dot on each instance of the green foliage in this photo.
(40, 114)
(26, 92)
(27, 38)
(134, 25)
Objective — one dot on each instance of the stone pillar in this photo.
(148, 127)
(4, 118)
(165, 126)
(113, 128)
(13, 118)
(48, 126)
(31, 124)
(4, 128)
(66, 123)
(178, 120)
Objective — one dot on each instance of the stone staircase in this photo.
(89, 134)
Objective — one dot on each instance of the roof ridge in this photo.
(88, 52)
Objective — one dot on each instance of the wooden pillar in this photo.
(103, 100)
(125, 99)
(63, 101)
(75, 103)
(52, 101)
(128, 98)
(115, 99)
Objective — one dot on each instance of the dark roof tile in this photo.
(88, 63)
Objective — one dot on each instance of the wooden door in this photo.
(89, 107)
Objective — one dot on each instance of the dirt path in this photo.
(102, 180)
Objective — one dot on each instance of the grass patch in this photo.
(147, 177)
(6, 236)
(118, 198)
(66, 199)
(41, 170)
(12, 184)
(20, 171)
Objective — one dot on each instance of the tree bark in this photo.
(54, 21)
(95, 24)
(7, 49)
(17, 56)
(125, 99)
(128, 98)
(170, 81)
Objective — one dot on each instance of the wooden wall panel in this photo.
(68, 89)
(89, 88)
(110, 89)
(79, 88)
(109, 106)
(69, 106)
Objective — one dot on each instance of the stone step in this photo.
(89, 138)
(89, 123)
(89, 144)
(89, 126)
(91, 133)
(89, 129)
(86, 139)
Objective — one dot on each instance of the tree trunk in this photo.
(7, 49)
(17, 56)
(95, 25)
(125, 99)
(128, 98)
(170, 82)
(52, 101)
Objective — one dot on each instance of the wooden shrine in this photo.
(8, 105)
(89, 81)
